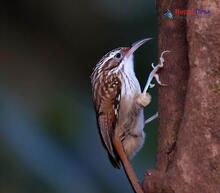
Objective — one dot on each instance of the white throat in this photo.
(128, 65)
(131, 85)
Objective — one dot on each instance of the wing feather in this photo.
(107, 103)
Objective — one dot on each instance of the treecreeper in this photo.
(119, 105)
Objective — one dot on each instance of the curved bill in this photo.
(136, 45)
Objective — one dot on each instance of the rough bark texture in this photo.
(188, 159)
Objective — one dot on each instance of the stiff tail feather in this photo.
(127, 165)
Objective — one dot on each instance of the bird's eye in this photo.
(118, 55)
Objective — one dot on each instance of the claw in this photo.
(151, 118)
(153, 65)
(165, 51)
(154, 74)
(151, 85)
(162, 59)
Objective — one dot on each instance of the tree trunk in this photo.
(188, 159)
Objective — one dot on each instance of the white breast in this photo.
(130, 84)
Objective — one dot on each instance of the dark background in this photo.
(48, 135)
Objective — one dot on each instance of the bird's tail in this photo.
(127, 165)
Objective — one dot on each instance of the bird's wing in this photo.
(107, 104)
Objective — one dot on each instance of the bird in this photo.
(119, 105)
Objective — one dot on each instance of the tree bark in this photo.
(188, 159)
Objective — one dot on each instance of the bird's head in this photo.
(120, 59)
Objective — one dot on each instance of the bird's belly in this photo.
(130, 114)
(131, 120)
(130, 128)
(131, 117)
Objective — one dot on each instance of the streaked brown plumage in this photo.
(115, 103)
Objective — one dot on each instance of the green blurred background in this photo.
(48, 135)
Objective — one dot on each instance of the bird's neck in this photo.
(128, 66)
(130, 84)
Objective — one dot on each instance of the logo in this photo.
(182, 13)
(168, 14)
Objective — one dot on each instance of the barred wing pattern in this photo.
(106, 98)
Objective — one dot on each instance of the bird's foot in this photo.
(154, 73)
